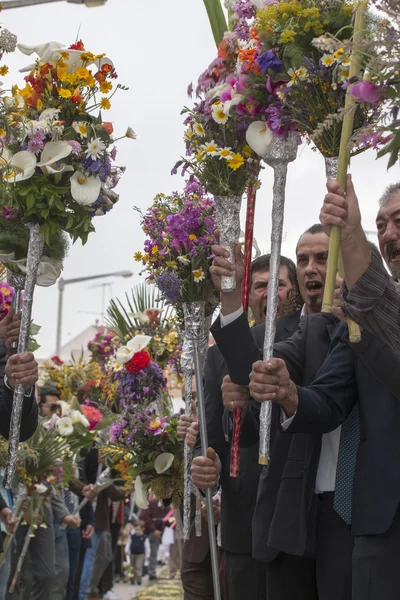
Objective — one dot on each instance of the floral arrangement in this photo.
(79, 425)
(218, 154)
(102, 347)
(138, 380)
(85, 380)
(379, 89)
(155, 454)
(6, 298)
(145, 315)
(14, 236)
(57, 160)
(294, 77)
(180, 231)
(44, 465)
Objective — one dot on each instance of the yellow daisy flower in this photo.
(3, 70)
(192, 237)
(64, 93)
(171, 264)
(219, 115)
(105, 104)
(198, 275)
(236, 162)
(138, 256)
(105, 87)
(211, 149)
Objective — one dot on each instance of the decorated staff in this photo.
(195, 331)
(179, 230)
(248, 247)
(343, 162)
(277, 153)
(57, 169)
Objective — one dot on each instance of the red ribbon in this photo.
(248, 247)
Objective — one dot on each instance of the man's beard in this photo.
(394, 268)
(389, 251)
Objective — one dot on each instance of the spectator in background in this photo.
(153, 520)
(48, 398)
(137, 551)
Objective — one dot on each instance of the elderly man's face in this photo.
(388, 226)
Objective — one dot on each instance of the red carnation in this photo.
(78, 46)
(138, 362)
(93, 415)
(57, 361)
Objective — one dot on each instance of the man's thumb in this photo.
(194, 410)
(350, 192)
(212, 454)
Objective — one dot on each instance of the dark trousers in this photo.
(376, 565)
(107, 580)
(289, 577)
(74, 545)
(246, 577)
(197, 580)
(334, 548)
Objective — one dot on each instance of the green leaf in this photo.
(30, 201)
(217, 19)
(394, 157)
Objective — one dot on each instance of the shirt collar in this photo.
(303, 311)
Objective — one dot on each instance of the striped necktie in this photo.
(349, 443)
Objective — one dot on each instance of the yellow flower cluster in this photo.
(289, 19)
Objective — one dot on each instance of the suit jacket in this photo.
(238, 493)
(285, 511)
(29, 417)
(342, 381)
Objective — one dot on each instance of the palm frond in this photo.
(120, 315)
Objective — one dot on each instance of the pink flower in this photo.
(366, 91)
(76, 147)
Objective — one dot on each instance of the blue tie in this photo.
(69, 502)
(349, 443)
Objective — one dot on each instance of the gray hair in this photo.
(389, 192)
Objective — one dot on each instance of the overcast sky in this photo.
(158, 47)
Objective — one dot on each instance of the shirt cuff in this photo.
(228, 319)
(285, 420)
(27, 394)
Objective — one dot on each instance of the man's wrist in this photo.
(291, 401)
(230, 302)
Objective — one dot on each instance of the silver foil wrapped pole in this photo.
(187, 369)
(331, 167)
(35, 251)
(17, 281)
(228, 222)
(195, 328)
(279, 154)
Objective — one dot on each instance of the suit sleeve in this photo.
(214, 407)
(327, 403)
(114, 493)
(238, 347)
(380, 360)
(29, 418)
(59, 509)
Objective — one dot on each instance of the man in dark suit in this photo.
(285, 517)
(246, 575)
(369, 471)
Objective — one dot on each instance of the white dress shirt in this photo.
(327, 467)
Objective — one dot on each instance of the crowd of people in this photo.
(322, 519)
(77, 555)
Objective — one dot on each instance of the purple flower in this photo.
(269, 60)
(366, 91)
(169, 285)
(116, 431)
(113, 153)
(274, 121)
(8, 212)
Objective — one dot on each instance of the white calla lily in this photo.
(236, 99)
(125, 353)
(47, 53)
(259, 137)
(41, 488)
(65, 426)
(78, 417)
(48, 272)
(52, 153)
(163, 462)
(21, 166)
(141, 499)
(85, 190)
